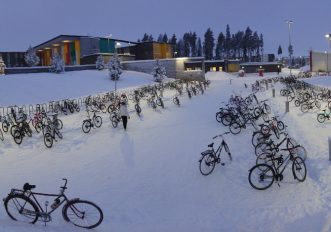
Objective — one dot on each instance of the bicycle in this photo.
(95, 121)
(210, 157)
(115, 118)
(23, 205)
(324, 115)
(262, 176)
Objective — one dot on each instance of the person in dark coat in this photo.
(123, 110)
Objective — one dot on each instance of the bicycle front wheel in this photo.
(48, 140)
(261, 176)
(82, 213)
(97, 121)
(86, 127)
(21, 208)
(299, 169)
(207, 164)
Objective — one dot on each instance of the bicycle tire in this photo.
(219, 117)
(59, 124)
(320, 118)
(5, 127)
(18, 137)
(207, 161)
(58, 133)
(86, 126)
(13, 129)
(262, 148)
(114, 121)
(299, 169)
(75, 211)
(48, 140)
(304, 108)
(97, 121)
(235, 128)
(38, 127)
(260, 174)
(1, 135)
(280, 125)
(29, 211)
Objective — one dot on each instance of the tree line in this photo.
(246, 45)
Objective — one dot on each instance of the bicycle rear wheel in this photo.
(299, 169)
(21, 208)
(97, 121)
(261, 176)
(207, 164)
(48, 140)
(1, 135)
(86, 127)
(82, 213)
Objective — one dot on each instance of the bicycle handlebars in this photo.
(221, 135)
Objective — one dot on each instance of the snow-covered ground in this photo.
(21, 89)
(147, 178)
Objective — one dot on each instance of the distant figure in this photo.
(278, 70)
(123, 106)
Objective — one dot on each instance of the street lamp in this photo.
(117, 44)
(289, 22)
(328, 37)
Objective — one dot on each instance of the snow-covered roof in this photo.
(260, 63)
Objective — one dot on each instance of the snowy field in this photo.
(147, 178)
(31, 88)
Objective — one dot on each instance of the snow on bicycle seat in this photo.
(27, 187)
(211, 145)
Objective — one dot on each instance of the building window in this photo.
(188, 69)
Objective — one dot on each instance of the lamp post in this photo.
(328, 37)
(289, 22)
(117, 44)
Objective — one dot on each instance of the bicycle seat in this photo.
(211, 145)
(27, 187)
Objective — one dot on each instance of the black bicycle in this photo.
(95, 121)
(262, 175)
(23, 205)
(210, 157)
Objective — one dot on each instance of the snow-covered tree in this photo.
(115, 68)
(99, 63)
(31, 57)
(159, 72)
(57, 65)
(2, 66)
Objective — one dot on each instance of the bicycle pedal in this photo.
(222, 164)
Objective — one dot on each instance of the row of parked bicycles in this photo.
(45, 118)
(273, 147)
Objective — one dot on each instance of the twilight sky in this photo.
(31, 22)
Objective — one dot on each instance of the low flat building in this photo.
(255, 67)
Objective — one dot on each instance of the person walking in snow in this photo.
(123, 108)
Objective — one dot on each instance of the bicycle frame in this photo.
(284, 164)
(32, 196)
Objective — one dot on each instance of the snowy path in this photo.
(147, 179)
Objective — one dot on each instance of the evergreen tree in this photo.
(247, 44)
(256, 46)
(160, 38)
(227, 43)
(138, 41)
(186, 40)
(193, 41)
(145, 38)
(220, 46)
(115, 68)
(57, 63)
(208, 44)
(165, 38)
(159, 72)
(199, 47)
(173, 39)
(31, 57)
(261, 43)
(280, 51)
(180, 48)
(150, 38)
(99, 64)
